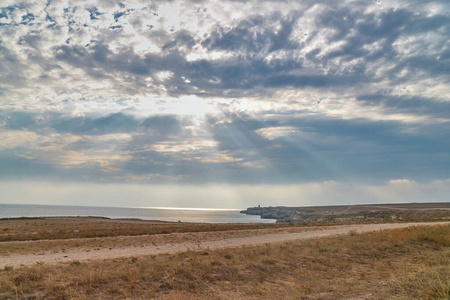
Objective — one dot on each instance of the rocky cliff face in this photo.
(278, 212)
(411, 211)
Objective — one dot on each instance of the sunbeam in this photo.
(198, 93)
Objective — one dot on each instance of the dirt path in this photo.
(188, 241)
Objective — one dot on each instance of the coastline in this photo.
(143, 213)
(382, 212)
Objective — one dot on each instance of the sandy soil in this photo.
(134, 246)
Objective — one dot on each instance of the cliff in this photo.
(278, 212)
(338, 213)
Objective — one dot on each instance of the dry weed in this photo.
(403, 263)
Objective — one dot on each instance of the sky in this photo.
(224, 104)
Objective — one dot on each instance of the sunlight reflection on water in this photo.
(202, 215)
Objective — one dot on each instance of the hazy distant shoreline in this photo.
(397, 211)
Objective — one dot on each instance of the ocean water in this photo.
(161, 214)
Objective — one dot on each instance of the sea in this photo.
(194, 215)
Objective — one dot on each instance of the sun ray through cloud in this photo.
(244, 95)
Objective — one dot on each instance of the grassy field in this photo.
(410, 263)
(24, 229)
(50, 228)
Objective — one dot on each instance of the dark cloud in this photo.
(256, 35)
(418, 106)
(254, 38)
(98, 55)
(114, 123)
(346, 50)
(162, 125)
(18, 120)
(32, 39)
(359, 31)
(15, 167)
(312, 80)
(32, 121)
(327, 148)
(11, 68)
(156, 129)
(181, 41)
(86, 125)
(145, 131)
(314, 148)
(214, 77)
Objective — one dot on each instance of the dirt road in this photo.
(133, 246)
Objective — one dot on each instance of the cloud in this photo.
(401, 181)
(407, 104)
(325, 148)
(114, 123)
(202, 92)
(91, 125)
(258, 35)
(164, 125)
(234, 147)
(307, 46)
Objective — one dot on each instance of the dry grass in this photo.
(42, 247)
(411, 263)
(24, 229)
(58, 228)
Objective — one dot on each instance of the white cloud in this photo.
(275, 92)
(276, 132)
(401, 181)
